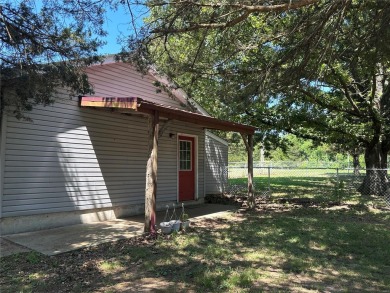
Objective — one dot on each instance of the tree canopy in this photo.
(326, 63)
(316, 69)
(45, 45)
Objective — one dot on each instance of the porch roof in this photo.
(129, 104)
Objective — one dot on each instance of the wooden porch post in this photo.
(248, 141)
(251, 194)
(151, 175)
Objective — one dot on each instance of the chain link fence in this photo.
(325, 184)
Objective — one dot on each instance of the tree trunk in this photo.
(248, 141)
(356, 164)
(376, 181)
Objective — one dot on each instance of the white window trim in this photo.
(191, 162)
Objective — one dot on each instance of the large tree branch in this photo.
(332, 107)
(288, 5)
(339, 131)
(344, 86)
(245, 11)
(194, 27)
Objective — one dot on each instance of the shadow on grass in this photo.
(301, 248)
(317, 188)
(293, 250)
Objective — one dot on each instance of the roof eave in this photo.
(146, 107)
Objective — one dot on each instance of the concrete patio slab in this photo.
(63, 239)
(68, 238)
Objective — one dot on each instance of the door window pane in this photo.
(185, 155)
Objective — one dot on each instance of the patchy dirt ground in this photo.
(282, 246)
(8, 248)
(110, 267)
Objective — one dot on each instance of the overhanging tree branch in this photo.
(345, 88)
(321, 102)
(243, 10)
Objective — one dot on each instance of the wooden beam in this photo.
(151, 175)
(128, 104)
(109, 102)
(251, 191)
(194, 118)
(245, 139)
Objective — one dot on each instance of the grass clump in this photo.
(33, 257)
(110, 266)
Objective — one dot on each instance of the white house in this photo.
(85, 159)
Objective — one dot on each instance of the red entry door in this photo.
(186, 168)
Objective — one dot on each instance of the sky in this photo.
(118, 25)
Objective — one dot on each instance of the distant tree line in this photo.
(298, 150)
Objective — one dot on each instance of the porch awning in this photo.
(127, 104)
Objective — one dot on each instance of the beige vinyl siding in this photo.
(83, 159)
(121, 80)
(216, 164)
(70, 159)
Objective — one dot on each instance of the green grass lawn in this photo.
(277, 248)
(317, 184)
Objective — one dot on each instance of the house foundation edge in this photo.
(21, 224)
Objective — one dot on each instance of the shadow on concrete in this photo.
(68, 238)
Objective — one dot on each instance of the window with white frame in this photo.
(185, 155)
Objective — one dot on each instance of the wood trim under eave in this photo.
(108, 102)
(143, 106)
(205, 121)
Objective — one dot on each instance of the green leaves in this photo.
(46, 47)
(320, 71)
